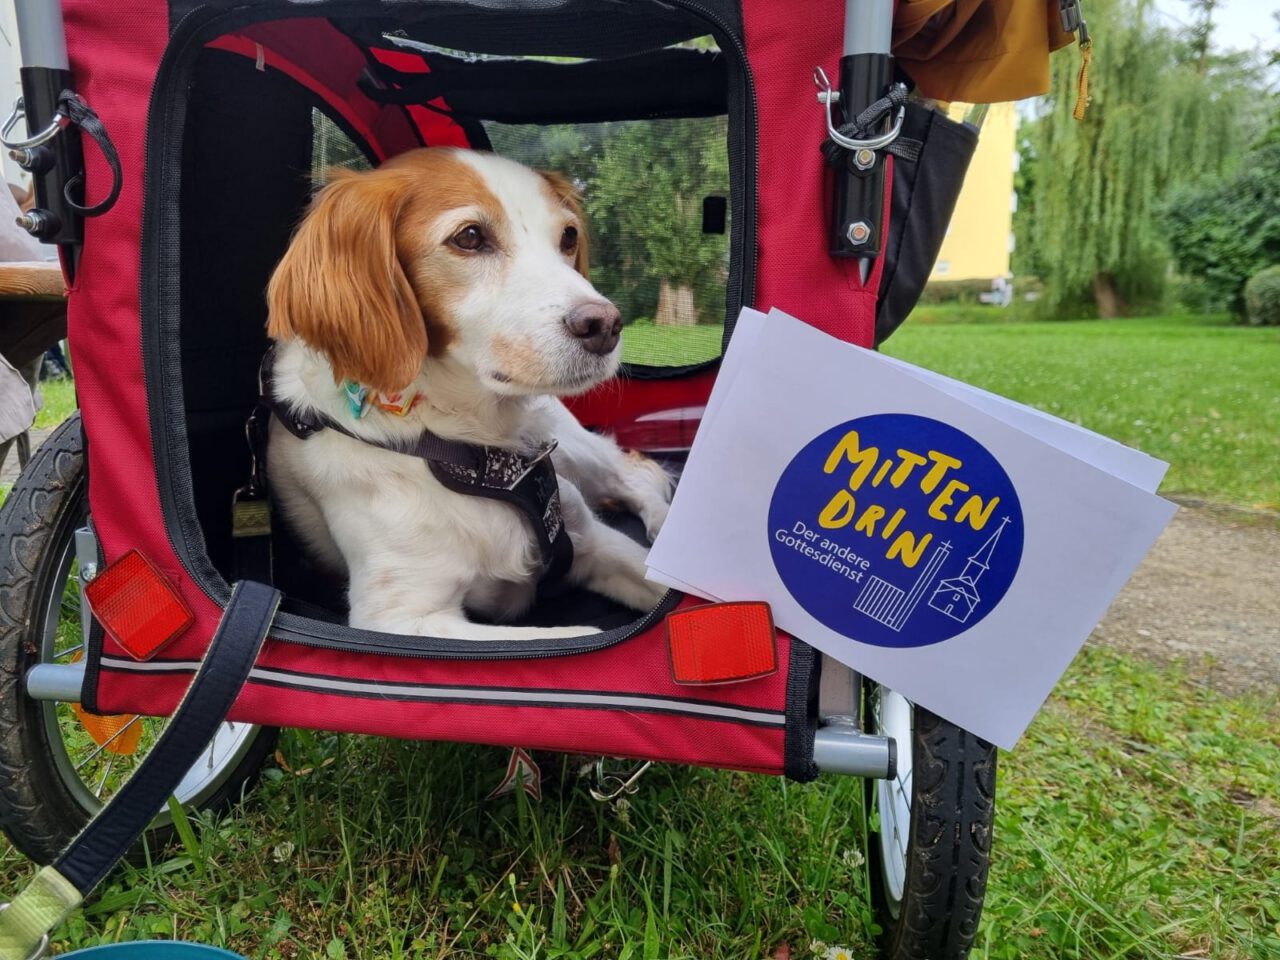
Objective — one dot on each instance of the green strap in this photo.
(36, 911)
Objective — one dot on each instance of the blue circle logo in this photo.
(896, 530)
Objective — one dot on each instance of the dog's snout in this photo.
(597, 323)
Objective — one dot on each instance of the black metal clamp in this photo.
(871, 113)
(50, 152)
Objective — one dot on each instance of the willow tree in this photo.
(1159, 117)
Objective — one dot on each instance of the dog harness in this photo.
(525, 481)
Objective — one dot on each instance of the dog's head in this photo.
(447, 252)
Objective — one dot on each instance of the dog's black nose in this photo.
(597, 323)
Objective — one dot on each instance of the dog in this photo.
(446, 292)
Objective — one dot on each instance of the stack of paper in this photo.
(951, 544)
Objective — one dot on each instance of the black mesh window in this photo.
(656, 195)
(331, 146)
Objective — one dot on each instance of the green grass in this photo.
(59, 402)
(647, 344)
(1195, 391)
(1139, 820)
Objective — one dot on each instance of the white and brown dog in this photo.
(447, 291)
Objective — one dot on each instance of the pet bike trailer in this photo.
(174, 147)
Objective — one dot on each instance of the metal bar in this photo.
(841, 749)
(837, 748)
(839, 695)
(56, 681)
(57, 166)
(868, 26)
(866, 69)
(40, 35)
(87, 560)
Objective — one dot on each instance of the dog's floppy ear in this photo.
(562, 189)
(341, 289)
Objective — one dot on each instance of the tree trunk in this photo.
(676, 305)
(1110, 303)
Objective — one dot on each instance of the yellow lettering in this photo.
(863, 460)
(884, 468)
(941, 464)
(908, 548)
(867, 522)
(909, 462)
(832, 515)
(973, 511)
(944, 499)
(892, 525)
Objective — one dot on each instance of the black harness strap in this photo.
(526, 482)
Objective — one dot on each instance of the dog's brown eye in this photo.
(569, 240)
(469, 238)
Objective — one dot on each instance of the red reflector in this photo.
(722, 643)
(137, 607)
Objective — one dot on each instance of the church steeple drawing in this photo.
(958, 596)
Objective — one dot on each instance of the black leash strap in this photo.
(81, 114)
(222, 674)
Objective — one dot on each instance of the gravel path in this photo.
(9, 472)
(1207, 594)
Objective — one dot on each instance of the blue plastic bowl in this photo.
(154, 950)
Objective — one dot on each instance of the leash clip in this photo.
(41, 948)
(611, 786)
(55, 126)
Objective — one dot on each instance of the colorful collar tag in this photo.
(360, 398)
(398, 403)
(357, 398)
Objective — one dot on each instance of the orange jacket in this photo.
(978, 51)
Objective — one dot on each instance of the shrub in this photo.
(1224, 231)
(1262, 297)
(954, 291)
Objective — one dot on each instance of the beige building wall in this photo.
(980, 237)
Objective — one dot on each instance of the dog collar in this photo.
(525, 481)
(360, 398)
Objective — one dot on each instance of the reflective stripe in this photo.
(506, 696)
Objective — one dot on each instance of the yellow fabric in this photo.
(978, 51)
(1082, 82)
(34, 912)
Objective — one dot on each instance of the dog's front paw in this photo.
(655, 592)
(651, 488)
(654, 516)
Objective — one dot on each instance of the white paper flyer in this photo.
(951, 544)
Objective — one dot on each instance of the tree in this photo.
(1225, 230)
(1156, 121)
(646, 203)
(644, 184)
(1200, 34)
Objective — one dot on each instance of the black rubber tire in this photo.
(948, 847)
(38, 812)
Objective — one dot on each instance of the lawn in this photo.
(59, 402)
(1195, 391)
(1138, 819)
(647, 344)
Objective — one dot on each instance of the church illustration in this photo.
(958, 596)
(890, 605)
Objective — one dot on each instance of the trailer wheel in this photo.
(930, 858)
(54, 774)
